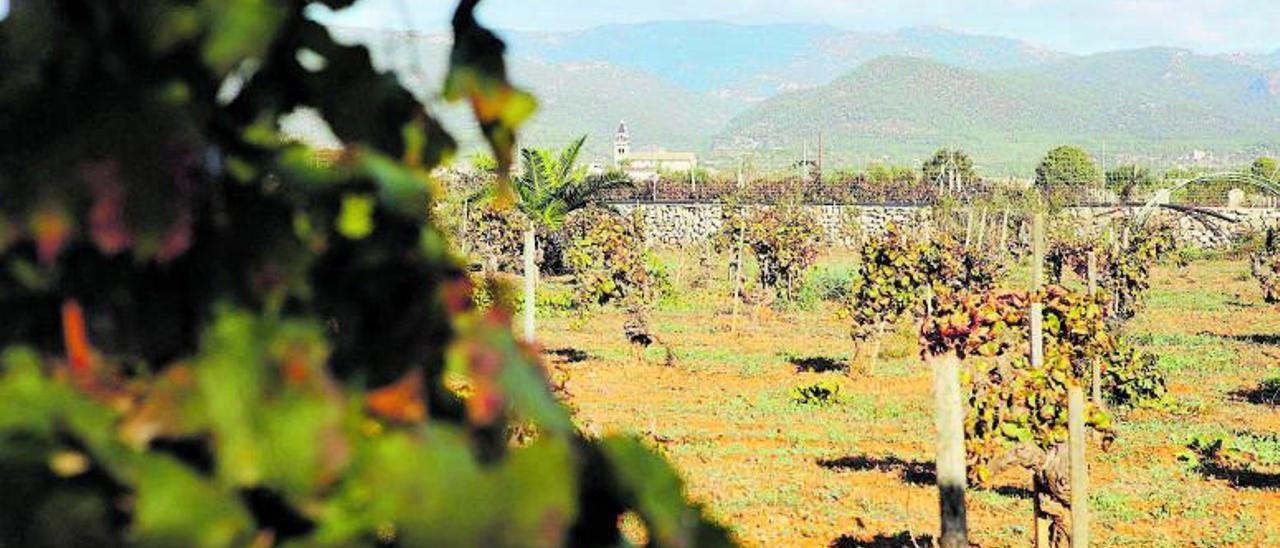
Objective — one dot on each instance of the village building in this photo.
(645, 165)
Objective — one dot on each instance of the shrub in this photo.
(494, 291)
(610, 263)
(1183, 255)
(1264, 264)
(1124, 268)
(496, 238)
(1131, 377)
(1011, 403)
(1069, 251)
(1065, 173)
(555, 299)
(1241, 245)
(888, 283)
(819, 393)
(1266, 168)
(1018, 411)
(898, 274)
(1125, 179)
(701, 273)
(834, 285)
(849, 230)
(1245, 460)
(948, 168)
(785, 242)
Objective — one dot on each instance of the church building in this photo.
(648, 164)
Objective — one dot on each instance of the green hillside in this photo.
(1156, 104)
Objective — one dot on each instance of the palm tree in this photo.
(548, 188)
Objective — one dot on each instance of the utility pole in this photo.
(1104, 171)
(693, 184)
(953, 171)
(805, 170)
(820, 149)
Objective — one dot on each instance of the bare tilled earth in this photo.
(860, 473)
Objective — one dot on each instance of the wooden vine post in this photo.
(1037, 283)
(738, 260)
(1113, 244)
(1075, 411)
(1076, 437)
(949, 408)
(1042, 521)
(982, 230)
(949, 416)
(948, 413)
(1095, 370)
(1004, 232)
(466, 227)
(873, 362)
(738, 280)
(968, 229)
(1079, 469)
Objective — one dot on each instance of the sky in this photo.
(1077, 26)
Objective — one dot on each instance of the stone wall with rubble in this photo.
(683, 225)
(1203, 227)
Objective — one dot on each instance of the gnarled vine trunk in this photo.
(1052, 487)
(530, 282)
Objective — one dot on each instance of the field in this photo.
(860, 472)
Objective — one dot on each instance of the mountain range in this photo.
(734, 92)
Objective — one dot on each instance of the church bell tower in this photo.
(621, 144)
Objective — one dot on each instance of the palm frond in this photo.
(565, 165)
(553, 185)
(578, 195)
(533, 183)
(482, 195)
(554, 213)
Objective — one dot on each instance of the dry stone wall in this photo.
(682, 225)
(1216, 227)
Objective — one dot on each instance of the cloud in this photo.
(1072, 25)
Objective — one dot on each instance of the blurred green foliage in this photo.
(215, 337)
